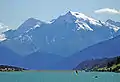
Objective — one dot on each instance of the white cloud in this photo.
(107, 10)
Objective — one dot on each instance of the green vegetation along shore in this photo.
(113, 66)
(100, 65)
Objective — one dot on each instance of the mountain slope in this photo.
(89, 64)
(8, 57)
(37, 60)
(40, 61)
(105, 64)
(108, 48)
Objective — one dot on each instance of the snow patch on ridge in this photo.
(83, 25)
(83, 17)
(115, 28)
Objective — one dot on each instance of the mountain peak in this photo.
(28, 25)
(79, 15)
(113, 22)
(32, 20)
(75, 17)
(79, 18)
(109, 21)
(69, 13)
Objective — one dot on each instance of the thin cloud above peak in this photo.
(107, 10)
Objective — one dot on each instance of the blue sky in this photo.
(15, 12)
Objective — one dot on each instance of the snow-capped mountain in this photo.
(19, 40)
(3, 28)
(27, 26)
(63, 36)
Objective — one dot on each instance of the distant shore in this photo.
(7, 68)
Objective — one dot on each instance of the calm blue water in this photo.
(60, 76)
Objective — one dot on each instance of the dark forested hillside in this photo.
(105, 64)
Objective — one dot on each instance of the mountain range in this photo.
(64, 36)
(62, 43)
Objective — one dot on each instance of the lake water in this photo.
(59, 76)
